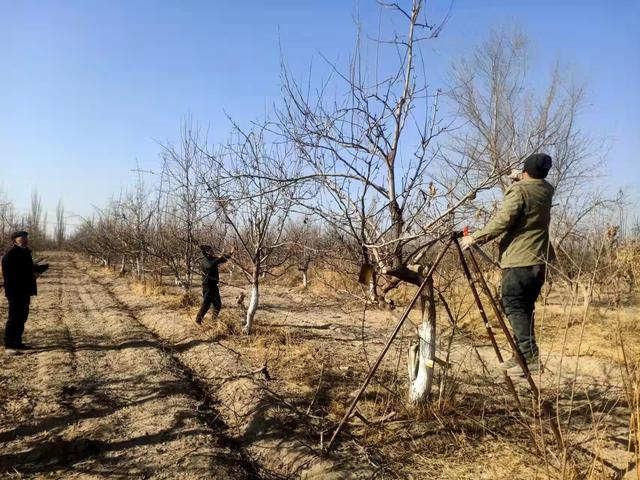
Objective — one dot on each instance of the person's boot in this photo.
(11, 350)
(533, 364)
(198, 322)
(508, 364)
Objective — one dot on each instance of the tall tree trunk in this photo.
(253, 302)
(423, 353)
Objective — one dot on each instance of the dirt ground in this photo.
(101, 397)
(121, 383)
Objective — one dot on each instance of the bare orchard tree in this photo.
(243, 186)
(181, 211)
(307, 244)
(100, 237)
(372, 152)
(134, 217)
(504, 119)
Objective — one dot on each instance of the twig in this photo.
(315, 395)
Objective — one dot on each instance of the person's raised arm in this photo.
(504, 218)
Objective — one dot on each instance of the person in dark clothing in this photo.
(210, 279)
(20, 274)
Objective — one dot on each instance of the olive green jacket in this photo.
(523, 221)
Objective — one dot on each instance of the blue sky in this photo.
(87, 88)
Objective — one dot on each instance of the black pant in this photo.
(18, 313)
(520, 289)
(210, 297)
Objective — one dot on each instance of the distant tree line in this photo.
(43, 235)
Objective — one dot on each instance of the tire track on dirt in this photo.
(41, 377)
(101, 400)
(206, 411)
(256, 416)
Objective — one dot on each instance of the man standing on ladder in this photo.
(524, 250)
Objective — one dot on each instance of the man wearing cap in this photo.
(20, 275)
(524, 250)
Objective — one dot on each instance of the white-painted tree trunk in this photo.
(422, 354)
(253, 305)
(372, 291)
(305, 279)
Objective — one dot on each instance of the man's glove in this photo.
(467, 242)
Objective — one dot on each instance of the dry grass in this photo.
(474, 429)
(631, 379)
(227, 324)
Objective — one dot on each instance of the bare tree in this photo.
(60, 227)
(504, 119)
(181, 208)
(98, 237)
(36, 221)
(243, 181)
(370, 151)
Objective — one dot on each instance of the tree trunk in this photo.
(305, 278)
(587, 294)
(140, 266)
(253, 304)
(422, 354)
(123, 269)
(188, 279)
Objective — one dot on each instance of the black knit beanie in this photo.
(20, 233)
(537, 165)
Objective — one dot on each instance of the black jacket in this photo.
(18, 271)
(209, 266)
